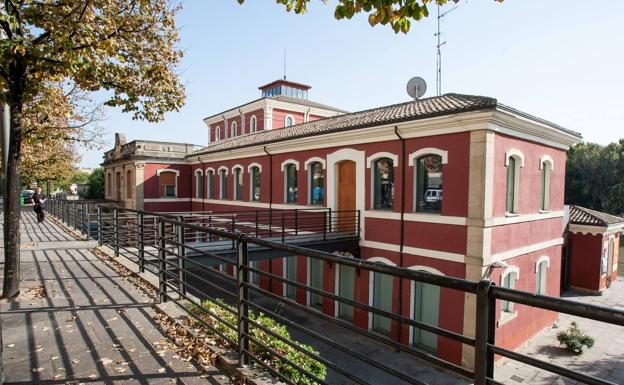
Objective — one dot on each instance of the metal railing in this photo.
(168, 246)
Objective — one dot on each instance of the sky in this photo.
(560, 60)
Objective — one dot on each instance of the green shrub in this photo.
(306, 362)
(574, 339)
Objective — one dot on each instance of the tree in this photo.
(96, 184)
(595, 177)
(396, 13)
(126, 48)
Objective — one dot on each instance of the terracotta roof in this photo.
(583, 216)
(412, 110)
(284, 81)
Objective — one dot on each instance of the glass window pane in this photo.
(210, 185)
(255, 183)
(511, 180)
(383, 179)
(429, 190)
(238, 185)
(317, 184)
(223, 185)
(291, 184)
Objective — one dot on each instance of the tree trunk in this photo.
(12, 198)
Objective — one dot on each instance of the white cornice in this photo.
(443, 255)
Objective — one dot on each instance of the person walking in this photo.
(39, 199)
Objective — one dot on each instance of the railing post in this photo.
(116, 231)
(84, 218)
(181, 257)
(484, 360)
(325, 226)
(359, 219)
(141, 242)
(209, 225)
(283, 228)
(329, 222)
(296, 222)
(162, 262)
(257, 225)
(233, 229)
(99, 225)
(242, 279)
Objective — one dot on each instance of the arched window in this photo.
(199, 185)
(546, 167)
(233, 130)
(381, 297)
(317, 183)
(514, 162)
(109, 184)
(383, 184)
(428, 177)
(168, 184)
(217, 134)
(290, 273)
(129, 184)
(255, 183)
(223, 180)
(210, 181)
(118, 181)
(238, 183)
(315, 280)
(291, 183)
(253, 124)
(289, 121)
(541, 275)
(508, 280)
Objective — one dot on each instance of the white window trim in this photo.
(222, 168)
(507, 316)
(159, 171)
(516, 198)
(427, 151)
(233, 129)
(542, 259)
(254, 165)
(514, 152)
(378, 155)
(217, 134)
(242, 172)
(544, 208)
(314, 159)
(546, 159)
(208, 182)
(290, 161)
(199, 172)
(371, 284)
(291, 117)
(333, 159)
(253, 124)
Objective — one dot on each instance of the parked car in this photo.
(433, 197)
(27, 196)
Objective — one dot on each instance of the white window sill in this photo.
(507, 316)
(511, 215)
(544, 211)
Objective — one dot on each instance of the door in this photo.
(382, 300)
(610, 261)
(346, 289)
(316, 281)
(426, 310)
(346, 196)
(118, 187)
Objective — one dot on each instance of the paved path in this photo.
(78, 321)
(605, 360)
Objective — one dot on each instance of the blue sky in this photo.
(558, 59)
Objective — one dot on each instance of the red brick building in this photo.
(457, 185)
(593, 244)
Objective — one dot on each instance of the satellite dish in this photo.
(416, 87)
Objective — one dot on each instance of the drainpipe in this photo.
(402, 230)
(204, 192)
(270, 209)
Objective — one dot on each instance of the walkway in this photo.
(604, 360)
(78, 321)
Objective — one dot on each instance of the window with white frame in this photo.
(254, 177)
(168, 184)
(316, 183)
(253, 124)
(217, 134)
(223, 180)
(508, 280)
(428, 177)
(383, 184)
(541, 275)
(289, 121)
(233, 129)
(512, 196)
(546, 167)
(210, 182)
(199, 184)
(238, 184)
(290, 176)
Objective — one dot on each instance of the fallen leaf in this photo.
(93, 376)
(38, 370)
(162, 370)
(105, 361)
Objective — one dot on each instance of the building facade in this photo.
(456, 185)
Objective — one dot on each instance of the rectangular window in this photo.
(238, 185)
(210, 181)
(429, 184)
(511, 185)
(291, 275)
(167, 181)
(540, 278)
(223, 184)
(546, 168)
(317, 184)
(383, 184)
(170, 191)
(291, 184)
(255, 183)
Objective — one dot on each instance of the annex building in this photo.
(457, 185)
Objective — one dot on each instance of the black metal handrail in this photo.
(163, 244)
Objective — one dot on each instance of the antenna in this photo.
(284, 62)
(439, 57)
